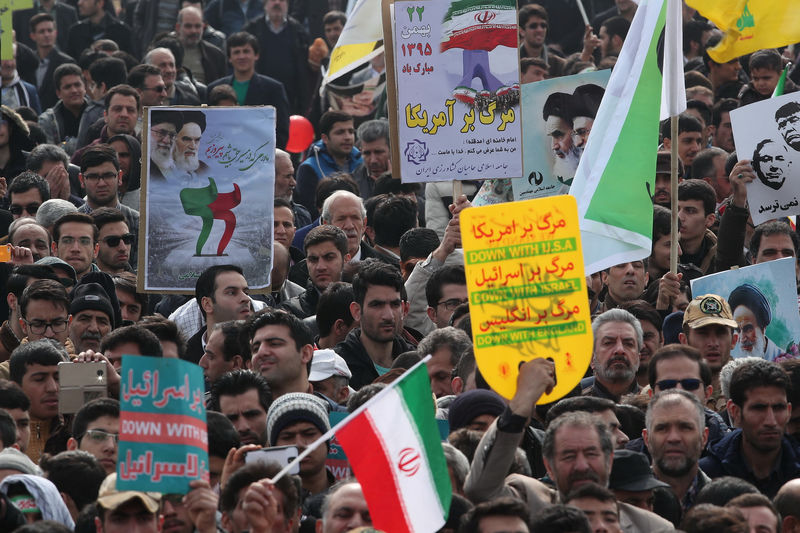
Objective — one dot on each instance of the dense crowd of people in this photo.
(667, 430)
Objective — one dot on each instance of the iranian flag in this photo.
(480, 25)
(394, 448)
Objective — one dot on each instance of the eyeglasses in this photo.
(105, 176)
(686, 384)
(38, 327)
(113, 240)
(156, 89)
(452, 303)
(164, 133)
(537, 25)
(30, 208)
(99, 436)
(83, 241)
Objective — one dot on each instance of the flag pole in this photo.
(583, 12)
(325, 437)
(673, 179)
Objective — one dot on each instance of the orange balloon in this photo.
(301, 134)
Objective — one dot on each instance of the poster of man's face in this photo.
(768, 133)
(764, 304)
(559, 114)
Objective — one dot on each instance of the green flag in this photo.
(613, 180)
(781, 82)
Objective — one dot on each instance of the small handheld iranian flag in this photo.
(394, 448)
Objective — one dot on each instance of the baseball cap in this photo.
(327, 363)
(110, 498)
(708, 309)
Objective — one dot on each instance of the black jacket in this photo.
(264, 90)
(47, 92)
(304, 305)
(65, 16)
(84, 33)
(297, 84)
(358, 360)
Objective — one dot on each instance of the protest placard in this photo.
(163, 441)
(559, 114)
(455, 111)
(527, 291)
(208, 188)
(763, 300)
(768, 133)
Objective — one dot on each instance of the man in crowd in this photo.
(61, 122)
(380, 308)
(95, 429)
(326, 255)
(615, 358)
(254, 88)
(759, 451)
(374, 138)
(205, 60)
(114, 239)
(75, 241)
(223, 351)
(244, 397)
(281, 347)
(27, 192)
(92, 316)
(44, 34)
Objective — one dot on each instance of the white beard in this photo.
(758, 349)
(186, 163)
(164, 161)
(565, 167)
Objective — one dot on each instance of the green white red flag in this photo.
(394, 448)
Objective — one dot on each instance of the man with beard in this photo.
(187, 144)
(787, 116)
(244, 398)
(675, 435)
(284, 188)
(115, 241)
(92, 316)
(759, 452)
(164, 126)
(615, 358)
(586, 100)
(577, 449)
(772, 163)
(380, 307)
(662, 193)
(752, 311)
(557, 114)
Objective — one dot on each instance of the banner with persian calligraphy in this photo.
(457, 77)
(559, 114)
(163, 438)
(527, 290)
(208, 185)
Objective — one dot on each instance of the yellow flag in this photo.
(750, 25)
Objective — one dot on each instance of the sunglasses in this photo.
(686, 384)
(30, 208)
(113, 240)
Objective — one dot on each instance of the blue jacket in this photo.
(725, 459)
(228, 17)
(319, 164)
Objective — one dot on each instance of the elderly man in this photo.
(187, 143)
(618, 338)
(577, 449)
(752, 312)
(164, 126)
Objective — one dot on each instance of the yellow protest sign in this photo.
(527, 290)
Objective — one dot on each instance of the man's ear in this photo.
(237, 361)
(645, 436)
(682, 338)
(306, 353)
(11, 300)
(735, 413)
(457, 385)
(667, 143)
(207, 304)
(355, 310)
(710, 218)
(72, 444)
(431, 314)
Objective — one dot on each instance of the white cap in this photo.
(327, 363)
